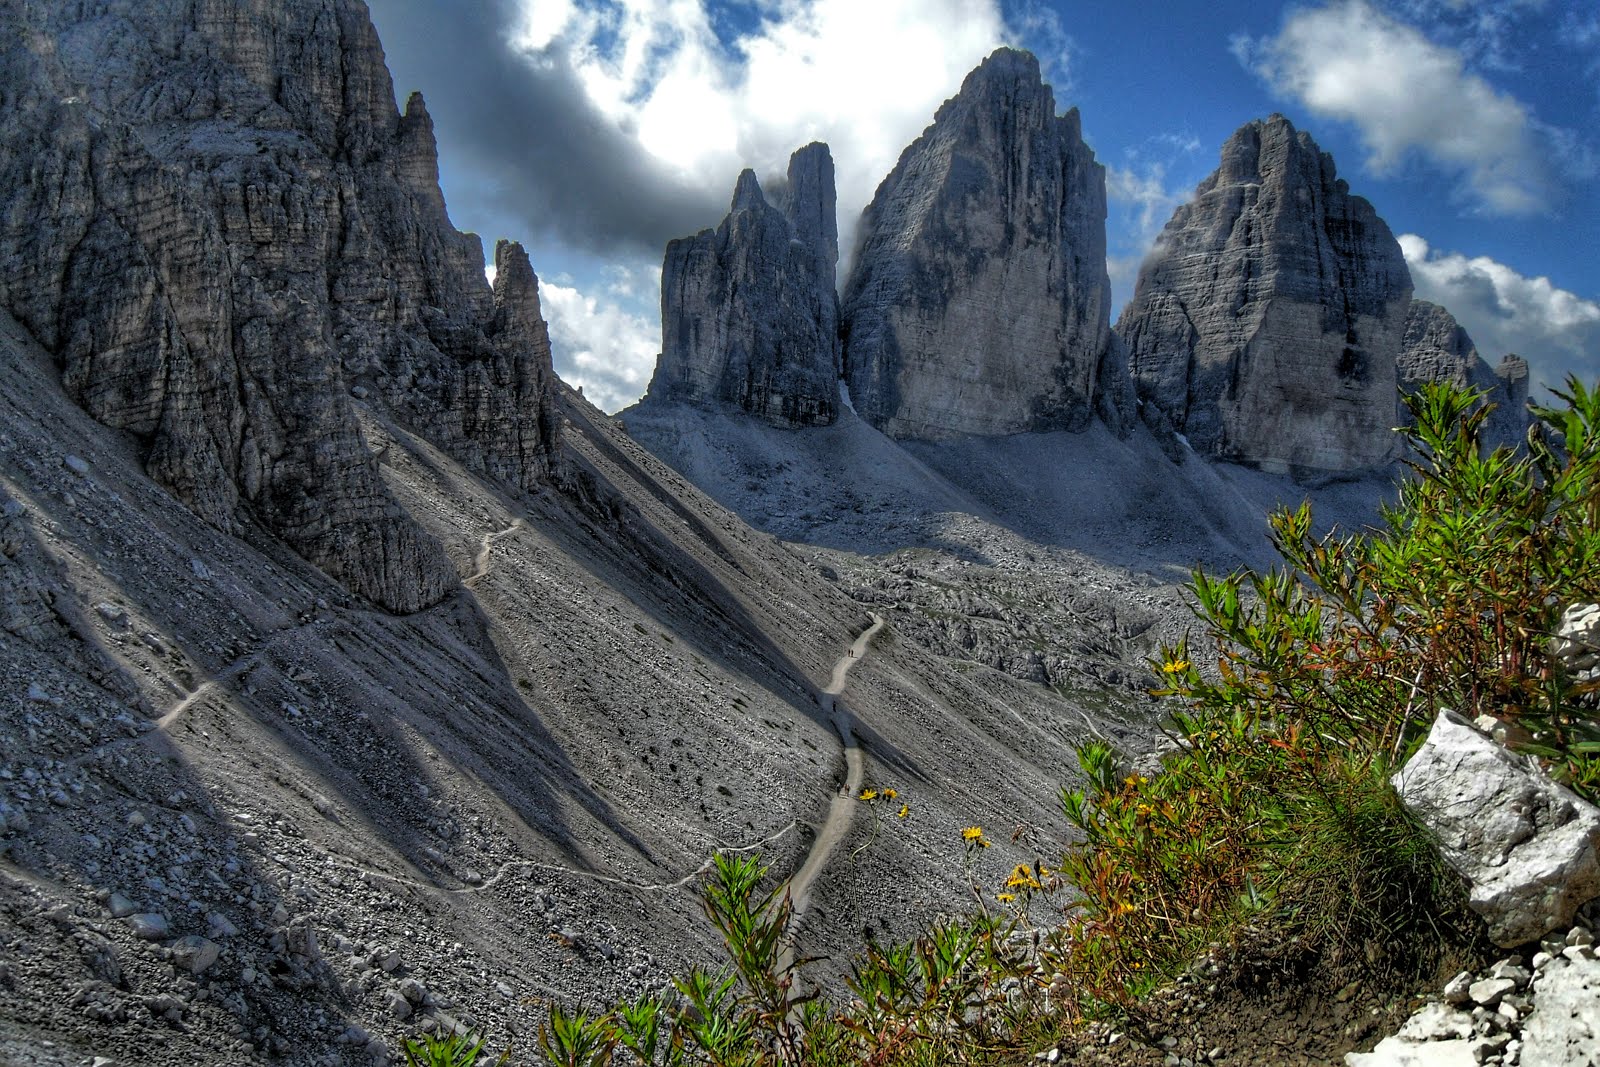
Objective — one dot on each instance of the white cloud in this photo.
(1556, 331)
(1406, 94)
(1141, 198)
(865, 77)
(607, 343)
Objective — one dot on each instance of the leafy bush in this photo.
(1319, 677)
(453, 1050)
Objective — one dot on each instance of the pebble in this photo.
(398, 1005)
(76, 464)
(1489, 991)
(149, 925)
(195, 953)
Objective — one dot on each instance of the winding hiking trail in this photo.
(842, 808)
(480, 563)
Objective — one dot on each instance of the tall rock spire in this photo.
(979, 302)
(1266, 323)
(749, 314)
(228, 231)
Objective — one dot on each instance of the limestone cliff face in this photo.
(748, 310)
(220, 225)
(979, 302)
(1266, 323)
(1436, 349)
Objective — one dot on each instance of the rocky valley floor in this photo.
(248, 817)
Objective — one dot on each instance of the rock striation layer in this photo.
(1436, 349)
(1266, 323)
(979, 301)
(220, 226)
(749, 314)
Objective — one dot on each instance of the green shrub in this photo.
(1319, 677)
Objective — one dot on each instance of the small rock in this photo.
(198, 568)
(149, 925)
(1515, 972)
(121, 906)
(38, 695)
(1436, 1022)
(398, 1005)
(1579, 936)
(194, 953)
(1458, 989)
(413, 990)
(76, 464)
(1489, 991)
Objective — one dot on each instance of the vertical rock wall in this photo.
(220, 225)
(749, 314)
(1266, 323)
(979, 301)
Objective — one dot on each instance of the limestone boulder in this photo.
(1528, 848)
(1564, 1029)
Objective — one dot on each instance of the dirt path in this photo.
(480, 563)
(842, 808)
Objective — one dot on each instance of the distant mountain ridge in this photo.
(1268, 326)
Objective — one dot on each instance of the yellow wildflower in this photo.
(891, 794)
(869, 794)
(905, 809)
(972, 833)
(1005, 898)
(1177, 666)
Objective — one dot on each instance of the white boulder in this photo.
(1529, 848)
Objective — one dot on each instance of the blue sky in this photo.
(595, 130)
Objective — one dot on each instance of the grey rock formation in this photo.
(1565, 1030)
(1528, 848)
(216, 251)
(748, 310)
(1266, 323)
(1436, 349)
(979, 302)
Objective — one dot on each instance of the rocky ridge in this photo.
(1266, 323)
(1436, 349)
(219, 256)
(749, 314)
(978, 302)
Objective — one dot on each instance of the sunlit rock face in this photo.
(1267, 321)
(221, 227)
(978, 302)
(1435, 348)
(749, 315)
